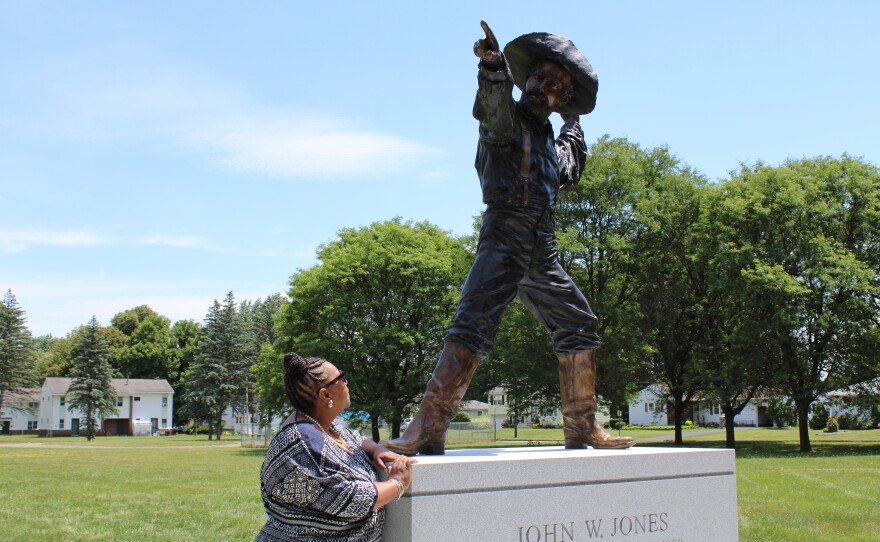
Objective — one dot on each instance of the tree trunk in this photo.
(730, 440)
(803, 428)
(395, 428)
(516, 423)
(220, 427)
(210, 430)
(374, 426)
(677, 411)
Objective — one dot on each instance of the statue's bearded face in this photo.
(547, 87)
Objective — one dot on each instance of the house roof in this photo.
(124, 386)
(24, 395)
(474, 405)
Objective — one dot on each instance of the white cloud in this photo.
(12, 241)
(171, 241)
(194, 243)
(301, 146)
(176, 109)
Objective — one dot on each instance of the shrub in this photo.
(781, 413)
(820, 416)
(617, 423)
(461, 417)
(688, 423)
(548, 426)
(831, 425)
(205, 429)
(849, 421)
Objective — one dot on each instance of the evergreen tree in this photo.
(258, 332)
(91, 391)
(185, 336)
(219, 374)
(17, 360)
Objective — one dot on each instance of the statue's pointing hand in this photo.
(486, 48)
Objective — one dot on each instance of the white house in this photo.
(652, 407)
(19, 415)
(242, 423)
(846, 400)
(475, 409)
(649, 407)
(144, 407)
(499, 402)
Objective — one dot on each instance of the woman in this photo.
(317, 482)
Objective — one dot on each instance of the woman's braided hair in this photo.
(303, 378)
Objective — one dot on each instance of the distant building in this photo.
(145, 407)
(243, 424)
(475, 409)
(652, 407)
(20, 413)
(499, 412)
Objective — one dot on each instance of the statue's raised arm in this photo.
(486, 48)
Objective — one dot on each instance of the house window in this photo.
(33, 405)
(649, 407)
(164, 401)
(119, 401)
(32, 424)
(479, 413)
(164, 422)
(62, 401)
(137, 399)
(239, 419)
(61, 423)
(716, 409)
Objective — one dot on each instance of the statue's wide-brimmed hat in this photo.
(523, 52)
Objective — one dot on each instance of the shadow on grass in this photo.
(747, 449)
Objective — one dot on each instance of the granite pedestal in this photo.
(550, 494)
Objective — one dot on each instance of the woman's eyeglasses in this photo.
(340, 378)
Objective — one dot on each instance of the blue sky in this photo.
(164, 153)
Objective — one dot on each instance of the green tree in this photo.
(739, 358)
(149, 350)
(630, 239)
(377, 306)
(269, 383)
(185, 336)
(523, 363)
(672, 279)
(216, 379)
(600, 245)
(809, 231)
(91, 391)
(17, 357)
(259, 320)
(128, 321)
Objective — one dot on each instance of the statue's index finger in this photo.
(490, 36)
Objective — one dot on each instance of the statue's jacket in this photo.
(554, 165)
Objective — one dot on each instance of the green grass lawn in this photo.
(188, 488)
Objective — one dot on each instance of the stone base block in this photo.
(551, 494)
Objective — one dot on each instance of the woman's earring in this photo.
(330, 404)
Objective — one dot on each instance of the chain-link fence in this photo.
(254, 435)
(467, 432)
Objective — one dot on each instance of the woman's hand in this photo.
(401, 469)
(383, 457)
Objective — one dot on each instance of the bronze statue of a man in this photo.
(522, 169)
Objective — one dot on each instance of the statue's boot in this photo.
(577, 376)
(426, 433)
